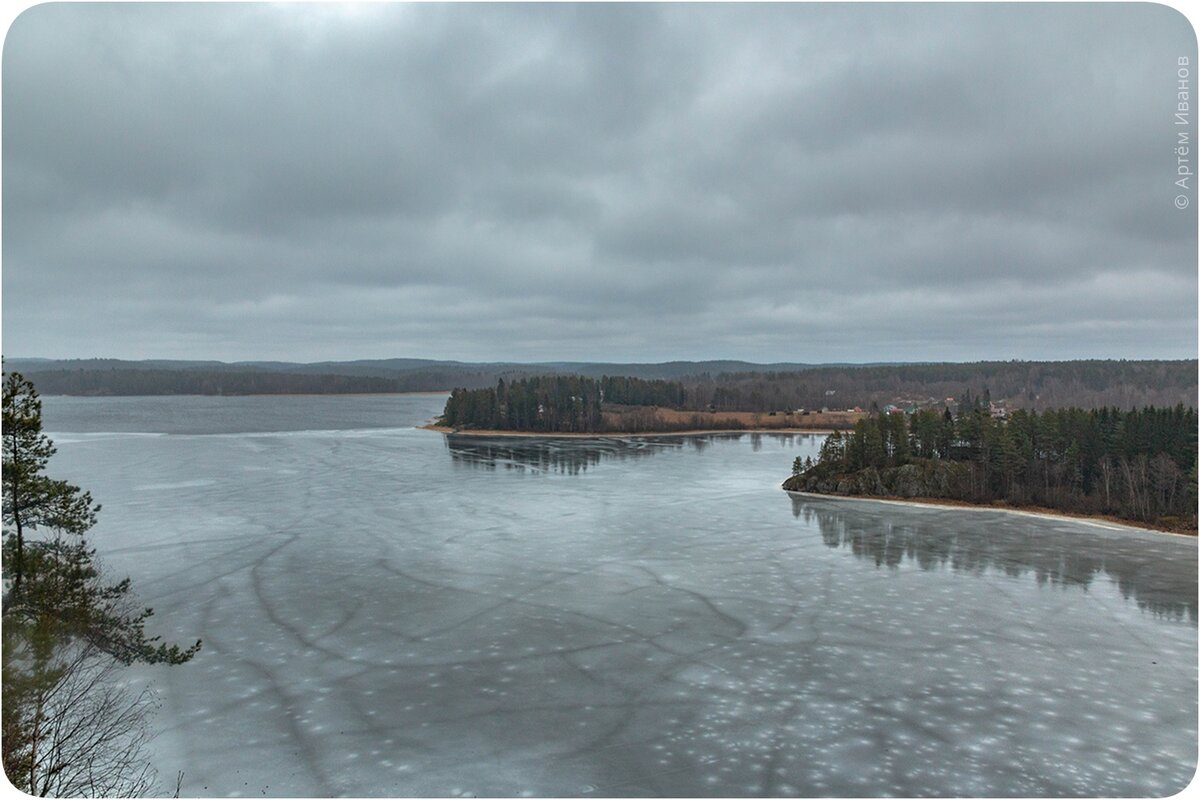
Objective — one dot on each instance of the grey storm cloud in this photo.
(598, 182)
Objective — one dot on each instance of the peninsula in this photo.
(1136, 466)
(574, 405)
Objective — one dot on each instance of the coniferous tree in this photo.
(1139, 464)
(63, 625)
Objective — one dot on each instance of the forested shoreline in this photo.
(1034, 385)
(716, 386)
(573, 404)
(560, 404)
(153, 382)
(1139, 465)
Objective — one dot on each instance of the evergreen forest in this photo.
(554, 404)
(707, 385)
(1136, 464)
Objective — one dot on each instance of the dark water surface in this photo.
(389, 611)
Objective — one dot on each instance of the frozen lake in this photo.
(388, 611)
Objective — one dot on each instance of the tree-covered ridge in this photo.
(1139, 465)
(1020, 384)
(147, 382)
(554, 404)
(716, 385)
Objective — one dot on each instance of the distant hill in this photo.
(719, 384)
(395, 367)
(107, 375)
(667, 370)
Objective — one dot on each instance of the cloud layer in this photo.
(645, 182)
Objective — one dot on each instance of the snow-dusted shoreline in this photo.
(917, 502)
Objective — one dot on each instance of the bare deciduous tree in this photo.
(68, 726)
(88, 731)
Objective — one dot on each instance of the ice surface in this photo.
(387, 611)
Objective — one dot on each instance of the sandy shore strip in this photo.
(1111, 523)
(615, 435)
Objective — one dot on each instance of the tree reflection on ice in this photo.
(1070, 555)
(550, 454)
(573, 455)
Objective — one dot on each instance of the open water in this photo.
(390, 611)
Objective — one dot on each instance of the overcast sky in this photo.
(605, 183)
